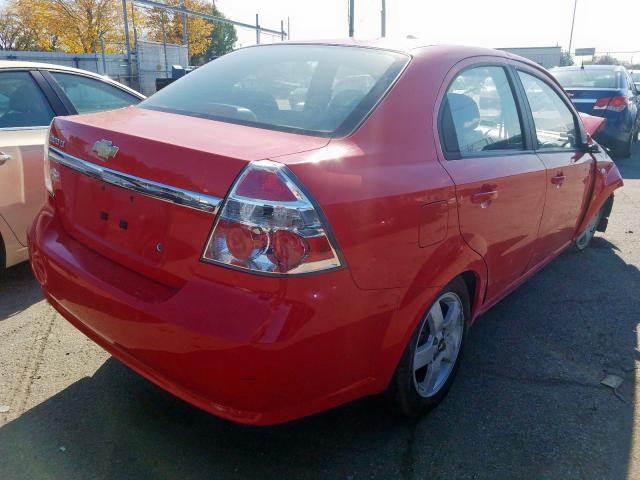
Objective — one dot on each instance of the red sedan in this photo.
(294, 226)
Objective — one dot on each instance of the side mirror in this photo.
(590, 146)
(593, 148)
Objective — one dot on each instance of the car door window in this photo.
(22, 103)
(554, 122)
(91, 95)
(481, 110)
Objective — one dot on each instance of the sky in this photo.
(487, 23)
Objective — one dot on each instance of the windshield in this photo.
(314, 89)
(586, 78)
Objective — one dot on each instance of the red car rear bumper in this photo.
(251, 356)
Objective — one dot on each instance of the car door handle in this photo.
(4, 158)
(558, 180)
(484, 198)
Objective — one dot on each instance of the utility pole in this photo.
(351, 17)
(126, 38)
(383, 19)
(573, 21)
(257, 30)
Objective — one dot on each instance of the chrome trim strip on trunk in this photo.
(166, 193)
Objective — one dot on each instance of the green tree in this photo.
(605, 60)
(566, 59)
(165, 25)
(10, 31)
(223, 37)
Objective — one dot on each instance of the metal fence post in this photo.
(164, 47)
(126, 38)
(95, 56)
(185, 31)
(104, 58)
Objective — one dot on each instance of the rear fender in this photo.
(13, 252)
(415, 303)
(607, 180)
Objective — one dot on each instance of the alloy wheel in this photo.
(585, 238)
(438, 344)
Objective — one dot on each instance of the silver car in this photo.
(31, 94)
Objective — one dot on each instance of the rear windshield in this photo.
(315, 89)
(586, 78)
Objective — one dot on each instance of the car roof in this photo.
(412, 46)
(406, 45)
(22, 65)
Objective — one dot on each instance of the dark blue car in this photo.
(605, 91)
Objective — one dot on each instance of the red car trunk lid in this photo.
(160, 239)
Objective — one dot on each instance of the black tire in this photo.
(3, 256)
(403, 389)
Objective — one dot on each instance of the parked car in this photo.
(605, 91)
(31, 94)
(635, 78)
(264, 262)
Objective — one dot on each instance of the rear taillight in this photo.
(616, 104)
(49, 172)
(267, 224)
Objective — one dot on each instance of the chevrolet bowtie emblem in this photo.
(105, 149)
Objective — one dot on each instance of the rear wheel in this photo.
(431, 360)
(585, 237)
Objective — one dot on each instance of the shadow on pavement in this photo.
(527, 404)
(630, 167)
(18, 290)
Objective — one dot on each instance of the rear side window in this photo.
(91, 95)
(554, 122)
(587, 78)
(480, 113)
(22, 103)
(315, 89)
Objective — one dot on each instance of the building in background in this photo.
(546, 56)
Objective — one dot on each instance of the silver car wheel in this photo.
(583, 240)
(438, 344)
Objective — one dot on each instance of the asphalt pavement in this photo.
(528, 402)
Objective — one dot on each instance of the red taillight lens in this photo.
(616, 104)
(244, 242)
(264, 185)
(268, 224)
(288, 249)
